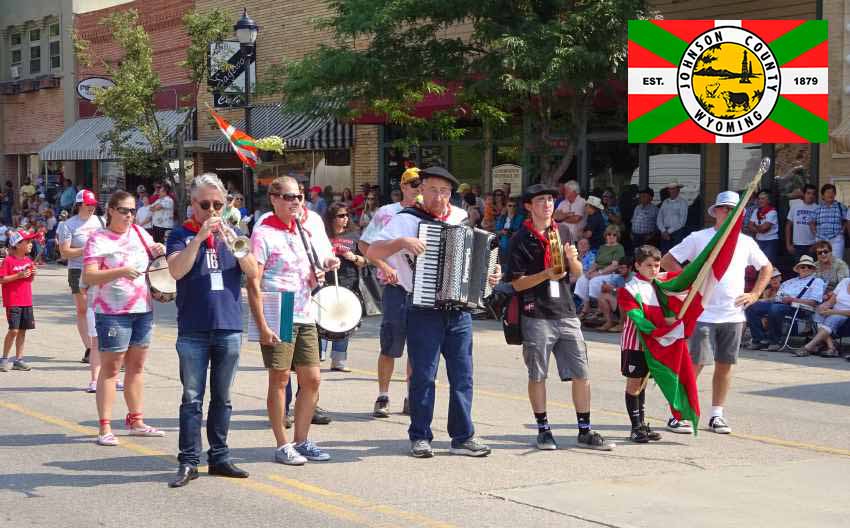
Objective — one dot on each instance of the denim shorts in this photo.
(117, 333)
(394, 323)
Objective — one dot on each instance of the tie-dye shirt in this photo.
(285, 263)
(110, 250)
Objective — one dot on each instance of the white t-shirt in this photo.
(576, 207)
(164, 217)
(721, 306)
(407, 225)
(773, 218)
(144, 216)
(379, 221)
(78, 232)
(800, 214)
(842, 297)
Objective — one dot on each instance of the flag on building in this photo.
(728, 81)
(242, 143)
(666, 346)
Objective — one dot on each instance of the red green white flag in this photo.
(243, 144)
(728, 81)
(665, 346)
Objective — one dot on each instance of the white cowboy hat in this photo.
(805, 260)
(726, 198)
(595, 201)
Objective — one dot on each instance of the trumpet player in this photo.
(207, 258)
(540, 268)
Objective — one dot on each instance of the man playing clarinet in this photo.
(431, 331)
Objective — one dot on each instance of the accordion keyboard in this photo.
(427, 270)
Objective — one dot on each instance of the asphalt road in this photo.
(786, 464)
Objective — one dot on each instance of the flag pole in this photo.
(706, 268)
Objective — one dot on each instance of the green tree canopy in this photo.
(541, 60)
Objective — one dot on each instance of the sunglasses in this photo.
(205, 205)
(611, 234)
(126, 210)
(289, 197)
(824, 252)
(415, 184)
(341, 215)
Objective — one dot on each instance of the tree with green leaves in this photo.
(540, 62)
(130, 103)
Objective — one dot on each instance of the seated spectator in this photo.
(607, 299)
(594, 228)
(803, 289)
(830, 269)
(608, 256)
(830, 317)
(769, 293)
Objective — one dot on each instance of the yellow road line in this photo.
(294, 498)
(418, 519)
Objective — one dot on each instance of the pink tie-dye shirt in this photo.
(110, 250)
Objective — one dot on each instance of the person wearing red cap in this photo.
(72, 236)
(16, 275)
(317, 203)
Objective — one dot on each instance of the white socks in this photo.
(716, 410)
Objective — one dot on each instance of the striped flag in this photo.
(728, 81)
(242, 143)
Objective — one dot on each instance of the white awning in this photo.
(82, 141)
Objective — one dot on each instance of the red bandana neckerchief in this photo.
(193, 226)
(273, 221)
(762, 212)
(544, 241)
(442, 218)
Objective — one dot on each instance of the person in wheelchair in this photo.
(801, 291)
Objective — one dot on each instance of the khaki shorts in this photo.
(303, 351)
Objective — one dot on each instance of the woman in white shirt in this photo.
(163, 213)
(830, 317)
(764, 225)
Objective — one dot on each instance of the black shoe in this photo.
(227, 469)
(185, 474)
(86, 356)
(654, 436)
(639, 435)
(320, 417)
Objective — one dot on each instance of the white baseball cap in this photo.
(726, 198)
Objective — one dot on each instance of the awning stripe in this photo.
(300, 131)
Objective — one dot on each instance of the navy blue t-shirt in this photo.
(199, 309)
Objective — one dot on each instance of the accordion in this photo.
(453, 271)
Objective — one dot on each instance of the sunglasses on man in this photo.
(206, 204)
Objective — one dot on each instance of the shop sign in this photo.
(507, 173)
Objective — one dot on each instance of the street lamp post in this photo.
(246, 33)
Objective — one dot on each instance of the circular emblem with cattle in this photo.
(728, 81)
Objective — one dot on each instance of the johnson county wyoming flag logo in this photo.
(728, 81)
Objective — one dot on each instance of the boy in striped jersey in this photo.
(633, 362)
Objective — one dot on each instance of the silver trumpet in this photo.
(240, 246)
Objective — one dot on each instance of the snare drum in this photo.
(339, 312)
(162, 285)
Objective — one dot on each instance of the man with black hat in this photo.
(549, 322)
(431, 332)
(644, 219)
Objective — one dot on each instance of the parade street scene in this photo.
(457, 263)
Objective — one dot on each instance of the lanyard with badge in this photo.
(211, 254)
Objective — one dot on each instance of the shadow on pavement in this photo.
(31, 440)
(837, 393)
(28, 484)
(123, 464)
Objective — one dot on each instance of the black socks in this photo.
(542, 422)
(583, 421)
(633, 409)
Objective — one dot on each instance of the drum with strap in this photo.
(162, 285)
(339, 312)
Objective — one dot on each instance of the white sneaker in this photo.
(92, 388)
(286, 454)
(718, 425)
(5, 365)
(680, 426)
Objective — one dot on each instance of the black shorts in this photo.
(20, 318)
(633, 364)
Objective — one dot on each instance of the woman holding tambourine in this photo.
(343, 236)
(115, 260)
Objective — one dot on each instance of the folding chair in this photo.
(802, 313)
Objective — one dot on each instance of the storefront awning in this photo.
(82, 140)
(301, 132)
(841, 136)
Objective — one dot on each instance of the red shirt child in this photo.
(17, 292)
(17, 272)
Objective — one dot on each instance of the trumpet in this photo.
(240, 246)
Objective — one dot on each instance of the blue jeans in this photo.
(770, 248)
(339, 350)
(218, 350)
(775, 313)
(430, 333)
